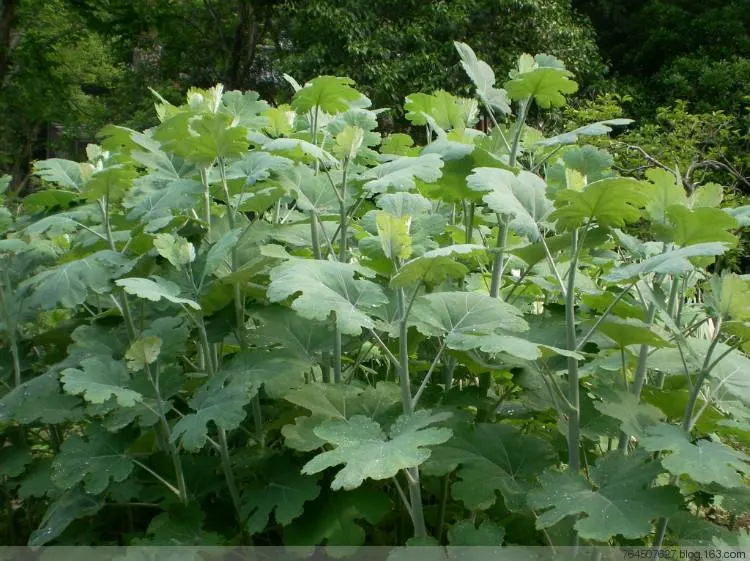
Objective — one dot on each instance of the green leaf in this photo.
(624, 503)
(484, 79)
(98, 380)
(279, 120)
(70, 283)
(611, 202)
(631, 331)
(545, 85)
(491, 458)
(296, 335)
(464, 533)
(112, 182)
(394, 236)
(246, 109)
(592, 129)
(702, 225)
(285, 495)
(400, 174)
(327, 287)
(442, 110)
(13, 460)
(348, 142)
(220, 401)
(589, 161)
(142, 352)
(362, 446)
(399, 144)
(175, 249)
(331, 94)
(43, 200)
(635, 416)
(214, 136)
(302, 150)
(708, 195)
(219, 252)
(155, 290)
(61, 172)
(673, 262)
(40, 399)
(704, 461)
(180, 526)
(276, 371)
(461, 317)
(332, 520)
(730, 296)
(300, 435)
(154, 201)
(664, 192)
(520, 196)
(328, 401)
(436, 266)
(93, 461)
(62, 512)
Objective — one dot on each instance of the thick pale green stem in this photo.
(173, 452)
(415, 489)
(640, 374)
(520, 121)
(468, 221)
(336, 354)
(687, 418)
(498, 265)
(224, 446)
(574, 426)
(674, 293)
(343, 217)
(206, 201)
(239, 302)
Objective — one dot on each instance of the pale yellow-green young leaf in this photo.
(575, 179)
(394, 235)
(348, 142)
(144, 351)
(175, 249)
(280, 120)
(526, 63)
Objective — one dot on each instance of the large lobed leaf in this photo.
(624, 502)
(327, 287)
(367, 453)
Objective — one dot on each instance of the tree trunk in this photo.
(8, 20)
(246, 38)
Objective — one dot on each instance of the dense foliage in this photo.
(273, 324)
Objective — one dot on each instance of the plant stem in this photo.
(206, 200)
(574, 434)
(336, 354)
(224, 446)
(239, 302)
(687, 417)
(173, 452)
(640, 375)
(468, 221)
(520, 121)
(497, 266)
(415, 490)
(602, 317)
(343, 216)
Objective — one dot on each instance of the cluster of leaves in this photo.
(273, 324)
